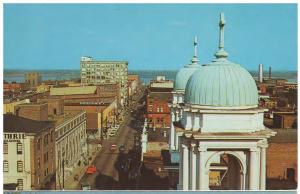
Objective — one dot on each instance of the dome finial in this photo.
(195, 59)
(195, 46)
(221, 53)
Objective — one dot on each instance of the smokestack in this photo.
(260, 72)
(270, 72)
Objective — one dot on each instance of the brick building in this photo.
(86, 93)
(34, 111)
(55, 105)
(29, 153)
(100, 115)
(282, 164)
(158, 112)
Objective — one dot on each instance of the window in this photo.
(46, 140)
(46, 157)
(51, 136)
(39, 144)
(20, 184)
(157, 109)
(5, 148)
(38, 163)
(5, 166)
(19, 166)
(19, 148)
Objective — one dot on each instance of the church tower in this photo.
(222, 138)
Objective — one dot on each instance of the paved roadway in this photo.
(107, 176)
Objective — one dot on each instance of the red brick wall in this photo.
(281, 156)
(154, 113)
(47, 146)
(38, 112)
(92, 121)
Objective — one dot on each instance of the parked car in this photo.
(122, 148)
(91, 170)
(113, 147)
(85, 186)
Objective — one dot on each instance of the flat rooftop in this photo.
(68, 114)
(13, 123)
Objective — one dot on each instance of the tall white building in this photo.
(100, 72)
(222, 139)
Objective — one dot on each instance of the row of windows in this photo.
(48, 137)
(158, 109)
(158, 120)
(102, 65)
(19, 148)
(19, 166)
(66, 128)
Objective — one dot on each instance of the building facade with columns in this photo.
(222, 138)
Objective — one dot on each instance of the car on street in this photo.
(113, 147)
(122, 148)
(85, 186)
(91, 170)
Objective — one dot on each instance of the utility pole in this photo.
(63, 171)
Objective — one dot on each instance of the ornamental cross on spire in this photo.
(195, 46)
(221, 53)
(195, 59)
(222, 24)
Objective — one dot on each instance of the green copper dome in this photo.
(183, 76)
(185, 73)
(222, 83)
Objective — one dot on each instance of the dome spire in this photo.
(221, 53)
(195, 59)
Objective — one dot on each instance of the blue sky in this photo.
(149, 36)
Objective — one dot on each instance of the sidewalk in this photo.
(70, 182)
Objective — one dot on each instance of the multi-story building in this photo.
(33, 78)
(99, 72)
(133, 84)
(35, 111)
(86, 93)
(158, 96)
(70, 144)
(100, 116)
(9, 107)
(28, 153)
